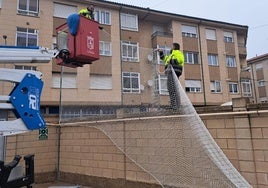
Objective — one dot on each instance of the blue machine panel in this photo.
(25, 98)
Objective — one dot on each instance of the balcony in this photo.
(161, 38)
(242, 50)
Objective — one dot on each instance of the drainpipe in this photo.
(121, 61)
(58, 129)
(252, 146)
(201, 62)
(121, 69)
(253, 84)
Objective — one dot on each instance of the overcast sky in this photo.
(253, 14)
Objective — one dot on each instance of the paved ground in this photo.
(58, 185)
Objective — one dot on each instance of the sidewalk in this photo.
(58, 185)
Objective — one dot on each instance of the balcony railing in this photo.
(242, 50)
(162, 34)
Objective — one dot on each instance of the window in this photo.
(129, 22)
(26, 37)
(53, 110)
(68, 80)
(161, 85)
(215, 87)
(103, 17)
(211, 34)
(24, 67)
(191, 57)
(261, 83)
(246, 88)
(193, 86)
(233, 87)
(28, 7)
(105, 48)
(100, 82)
(228, 37)
(0, 3)
(131, 82)
(63, 11)
(87, 111)
(230, 61)
(258, 66)
(189, 31)
(130, 51)
(54, 42)
(213, 60)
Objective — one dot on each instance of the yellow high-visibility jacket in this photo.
(176, 54)
(85, 13)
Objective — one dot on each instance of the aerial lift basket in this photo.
(79, 48)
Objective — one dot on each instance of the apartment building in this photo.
(129, 72)
(258, 68)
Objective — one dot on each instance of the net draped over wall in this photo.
(177, 152)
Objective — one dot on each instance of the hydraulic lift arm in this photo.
(35, 54)
(24, 99)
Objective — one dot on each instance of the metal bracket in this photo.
(24, 100)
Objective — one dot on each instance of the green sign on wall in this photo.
(43, 134)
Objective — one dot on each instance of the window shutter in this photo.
(193, 83)
(68, 80)
(212, 86)
(228, 34)
(100, 82)
(211, 34)
(189, 29)
(63, 11)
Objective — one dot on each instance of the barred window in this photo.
(131, 82)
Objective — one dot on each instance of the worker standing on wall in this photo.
(174, 60)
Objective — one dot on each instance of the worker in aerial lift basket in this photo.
(175, 60)
(88, 12)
